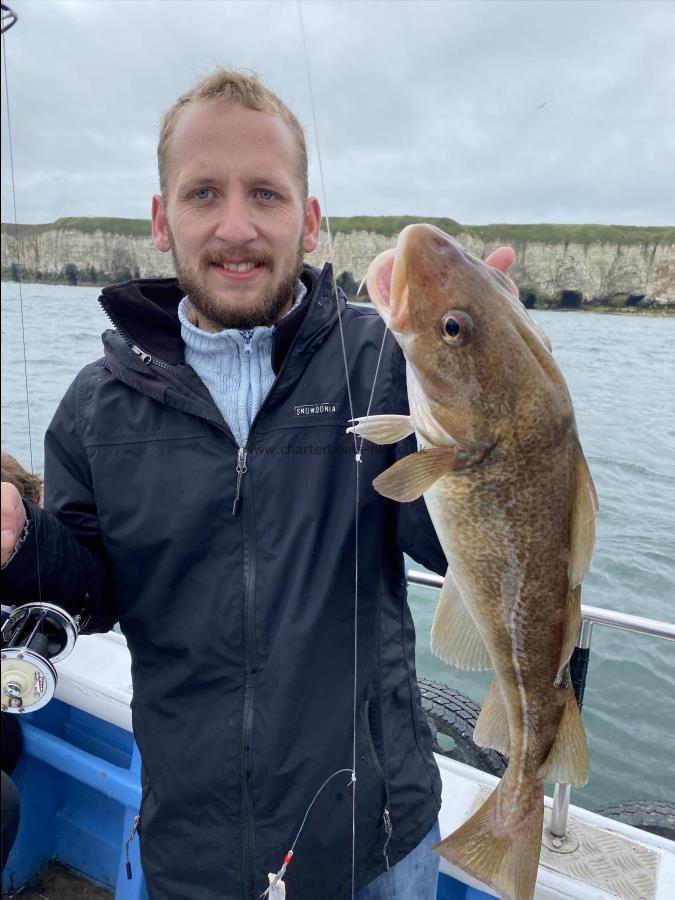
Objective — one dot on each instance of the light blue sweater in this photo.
(236, 366)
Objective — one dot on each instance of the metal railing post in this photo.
(562, 792)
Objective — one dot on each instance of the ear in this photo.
(310, 236)
(160, 227)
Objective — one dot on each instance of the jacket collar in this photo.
(145, 313)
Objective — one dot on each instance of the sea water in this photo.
(621, 373)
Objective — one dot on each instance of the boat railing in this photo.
(558, 838)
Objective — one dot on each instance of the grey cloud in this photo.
(426, 108)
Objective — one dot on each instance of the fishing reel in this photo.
(34, 637)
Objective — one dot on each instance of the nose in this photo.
(235, 225)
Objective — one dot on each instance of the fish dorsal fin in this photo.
(411, 476)
(567, 760)
(492, 726)
(571, 628)
(454, 636)
(382, 429)
(582, 520)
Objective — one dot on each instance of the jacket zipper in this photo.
(388, 829)
(147, 358)
(386, 815)
(250, 671)
(242, 454)
(135, 828)
(250, 656)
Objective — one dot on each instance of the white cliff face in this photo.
(51, 250)
(590, 274)
(598, 272)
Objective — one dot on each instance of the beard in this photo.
(261, 310)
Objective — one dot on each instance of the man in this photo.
(201, 490)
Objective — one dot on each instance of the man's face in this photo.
(234, 215)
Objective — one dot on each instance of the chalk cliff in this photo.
(556, 266)
(549, 274)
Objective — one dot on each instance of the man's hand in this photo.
(502, 259)
(13, 518)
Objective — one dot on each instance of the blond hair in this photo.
(27, 484)
(239, 89)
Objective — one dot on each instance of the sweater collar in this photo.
(208, 342)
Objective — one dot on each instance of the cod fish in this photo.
(512, 501)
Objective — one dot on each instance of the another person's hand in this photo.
(502, 259)
(13, 519)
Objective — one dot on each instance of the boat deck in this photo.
(59, 882)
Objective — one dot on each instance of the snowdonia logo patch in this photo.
(315, 409)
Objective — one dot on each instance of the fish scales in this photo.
(510, 496)
(497, 538)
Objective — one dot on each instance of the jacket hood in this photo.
(145, 311)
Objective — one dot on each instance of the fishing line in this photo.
(358, 445)
(18, 275)
(356, 448)
(289, 856)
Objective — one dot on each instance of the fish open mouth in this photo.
(387, 283)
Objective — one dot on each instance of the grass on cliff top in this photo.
(576, 234)
(543, 232)
(388, 225)
(391, 225)
(87, 225)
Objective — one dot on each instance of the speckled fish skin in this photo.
(513, 506)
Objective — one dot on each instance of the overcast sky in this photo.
(482, 111)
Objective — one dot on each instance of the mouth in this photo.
(237, 270)
(387, 283)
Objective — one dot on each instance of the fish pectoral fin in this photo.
(571, 627)
(567, 760)
(382, 429)
(411, 476)
(492, 726)
(582, 521)
(454, 635)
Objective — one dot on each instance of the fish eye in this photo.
(457, 327)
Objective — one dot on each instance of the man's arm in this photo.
(61, 558)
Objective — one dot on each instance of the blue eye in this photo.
(202, 194)
(265, 194)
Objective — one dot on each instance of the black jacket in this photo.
(240, 622)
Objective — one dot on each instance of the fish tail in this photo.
(501, 853)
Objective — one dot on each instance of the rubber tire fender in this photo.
(655, 816)
(452, 713)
